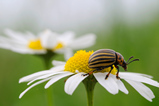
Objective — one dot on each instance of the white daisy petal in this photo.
(21, 50)
(57, 77)
(56, 63)
(108, 84)
(48, 39)
(4, 46)
(20, 96)
(60, 51)
(34, 75)
(15, 35)
(66, 37)
(120, 84)
(139, 74)
(142, 89)
(5, 40)
(83, 42)
(122, 87)
(139, 78)
(12, 43)
(25, 50)
(42, 73)
(148, 76)
(46, 76)
(7, 43)
(72, 82)
(30, 35)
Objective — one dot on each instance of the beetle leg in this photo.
(92, 72)
(117, 74)
(88, 73)
(109, 73)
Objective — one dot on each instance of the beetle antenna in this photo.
(133, 60)
(129, 59)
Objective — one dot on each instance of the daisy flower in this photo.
(77, 66)
(28, 43)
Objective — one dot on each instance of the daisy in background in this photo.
(28, 43)
(77, 66)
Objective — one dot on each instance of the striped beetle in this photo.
(104, 58)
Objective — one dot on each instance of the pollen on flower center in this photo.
(35, 44)
(80, 62)
(58, 46)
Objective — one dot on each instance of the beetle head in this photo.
(121, 61)
(124, 65)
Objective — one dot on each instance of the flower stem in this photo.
(47, 60)
(89, 85)
(49, 95)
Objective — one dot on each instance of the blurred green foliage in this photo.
(141, 42)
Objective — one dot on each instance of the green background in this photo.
(141, 42)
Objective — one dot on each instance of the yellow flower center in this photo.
(58, 46)
(79, 62)
(35, 44)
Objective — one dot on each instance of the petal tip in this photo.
(126, 92)
(29, 83)
(20, 81)
(46, 86)
(150, 100)
(158, 85)
(69, 93)
(20, 96)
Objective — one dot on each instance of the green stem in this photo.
(89, 85)
(49, 95)
(49, 92)
(47, 60)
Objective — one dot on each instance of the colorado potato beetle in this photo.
(104, 58)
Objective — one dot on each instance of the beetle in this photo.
(104, 58)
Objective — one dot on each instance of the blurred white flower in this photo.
(77, 65)
(59, 43)
(25, 43)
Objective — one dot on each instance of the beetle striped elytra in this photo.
(104, 58)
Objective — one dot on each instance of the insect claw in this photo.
(65, 80)
(106, 77)
(117, 77)
(88, 73)
(85, 74)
